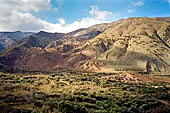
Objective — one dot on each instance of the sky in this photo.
(69, 15)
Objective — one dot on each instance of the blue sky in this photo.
(72, 10)
(69, 15)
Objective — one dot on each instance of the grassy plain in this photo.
(71, 92)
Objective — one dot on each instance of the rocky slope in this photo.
(90, 32)
(49, 51)
(134, 44)
(23, 52)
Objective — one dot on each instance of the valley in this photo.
(75, 92)
(84, 56)
(117, 67)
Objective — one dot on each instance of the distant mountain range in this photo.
(7, 39)
(133, 44)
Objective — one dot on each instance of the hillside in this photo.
(133, 44)
(90, 32)
(22, 52)
(49, 51)
(7, 39)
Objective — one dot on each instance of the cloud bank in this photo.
(17, 15)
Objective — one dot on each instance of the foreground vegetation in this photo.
(82, 93)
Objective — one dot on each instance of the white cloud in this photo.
(130, 11)
(15, 19)
(24, 5)
(139, 3)
(61, 21)
(21, 21)
(16, 14)
(100, 15)
(96, 17)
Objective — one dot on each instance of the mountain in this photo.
(90, 32)
(134, 44)
(48, 51)
(22, 52)
(9, 38)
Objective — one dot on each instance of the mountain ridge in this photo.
(7, 39)
(134, 44)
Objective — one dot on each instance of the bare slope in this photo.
(134, 44)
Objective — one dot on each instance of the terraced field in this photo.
(71, 92)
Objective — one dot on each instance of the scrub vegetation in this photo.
(74, 92)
